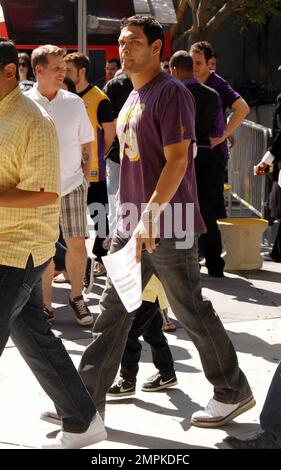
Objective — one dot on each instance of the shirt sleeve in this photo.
(228, 95)
(40, 162)
(176, 115)
(86, 130)
(105, 113)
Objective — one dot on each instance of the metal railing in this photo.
(251, 143)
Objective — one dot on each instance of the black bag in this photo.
(275, 201)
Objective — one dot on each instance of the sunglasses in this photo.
(23, 64)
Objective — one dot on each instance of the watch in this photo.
(148, 216)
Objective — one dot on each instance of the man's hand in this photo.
(262, 169)
(217, 140)
(145, 234)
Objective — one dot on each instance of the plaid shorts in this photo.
(73, 220)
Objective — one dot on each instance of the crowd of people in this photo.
(108, 150)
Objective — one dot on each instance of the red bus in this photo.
(31, 23)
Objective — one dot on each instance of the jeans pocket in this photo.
(26, 283)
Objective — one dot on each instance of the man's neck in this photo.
(81, 86)
(6, 90)
(142, 78)
(48, 93)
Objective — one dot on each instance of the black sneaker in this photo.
(89, 275)
(157, 382)
(121, 388)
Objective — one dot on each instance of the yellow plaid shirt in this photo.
(29, 153)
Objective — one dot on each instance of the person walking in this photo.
(157, 180)
(273, 157)
(29, 212)
(76, 135)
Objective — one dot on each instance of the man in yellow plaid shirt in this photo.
(29, 215)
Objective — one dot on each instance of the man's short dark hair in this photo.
(151, 27)
(182, 60)
(114, 60)
(205, 48)
(9, 54)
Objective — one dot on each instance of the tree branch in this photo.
(224, 12)
(180, 12)
(204, 12)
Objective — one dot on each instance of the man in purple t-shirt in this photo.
(156, 128)
(202, 54)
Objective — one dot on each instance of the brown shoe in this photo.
(82, 313)
(99, 269)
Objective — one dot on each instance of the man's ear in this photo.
(82, 72)
(156, 47)
(10, 71)
(38, 69)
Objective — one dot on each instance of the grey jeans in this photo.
(178, 270)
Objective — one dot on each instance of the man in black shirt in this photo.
(100, 113)
(209, 164)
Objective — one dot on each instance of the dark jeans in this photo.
(270, 417)
(178, 271)
(97, 193)
(148, 323)
(23, 318)
(210, 177)
(276, 250)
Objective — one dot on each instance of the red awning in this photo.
(3, 30)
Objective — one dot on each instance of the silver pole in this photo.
(82, 26)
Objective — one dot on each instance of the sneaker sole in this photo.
(122, 394)
(161, 387)
(246, 405)
(50, 418)
(87, 323)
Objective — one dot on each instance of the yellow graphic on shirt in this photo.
(128, 138)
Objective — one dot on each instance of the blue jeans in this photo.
(270, 417)
(178, 270)
(23, 318)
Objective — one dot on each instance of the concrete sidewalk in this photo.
(250, 307)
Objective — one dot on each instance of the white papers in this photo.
(125, 274)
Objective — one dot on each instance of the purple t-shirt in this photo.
(159, 114)
(228, 97)
(224, 89)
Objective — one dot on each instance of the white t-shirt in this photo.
(73, 127)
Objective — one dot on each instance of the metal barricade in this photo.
(251, 143)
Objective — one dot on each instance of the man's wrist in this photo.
(148, 216)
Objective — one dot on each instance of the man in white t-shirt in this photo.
(76, 135)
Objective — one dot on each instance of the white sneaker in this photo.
(217, 414)
(267, 256)
(69, 440)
